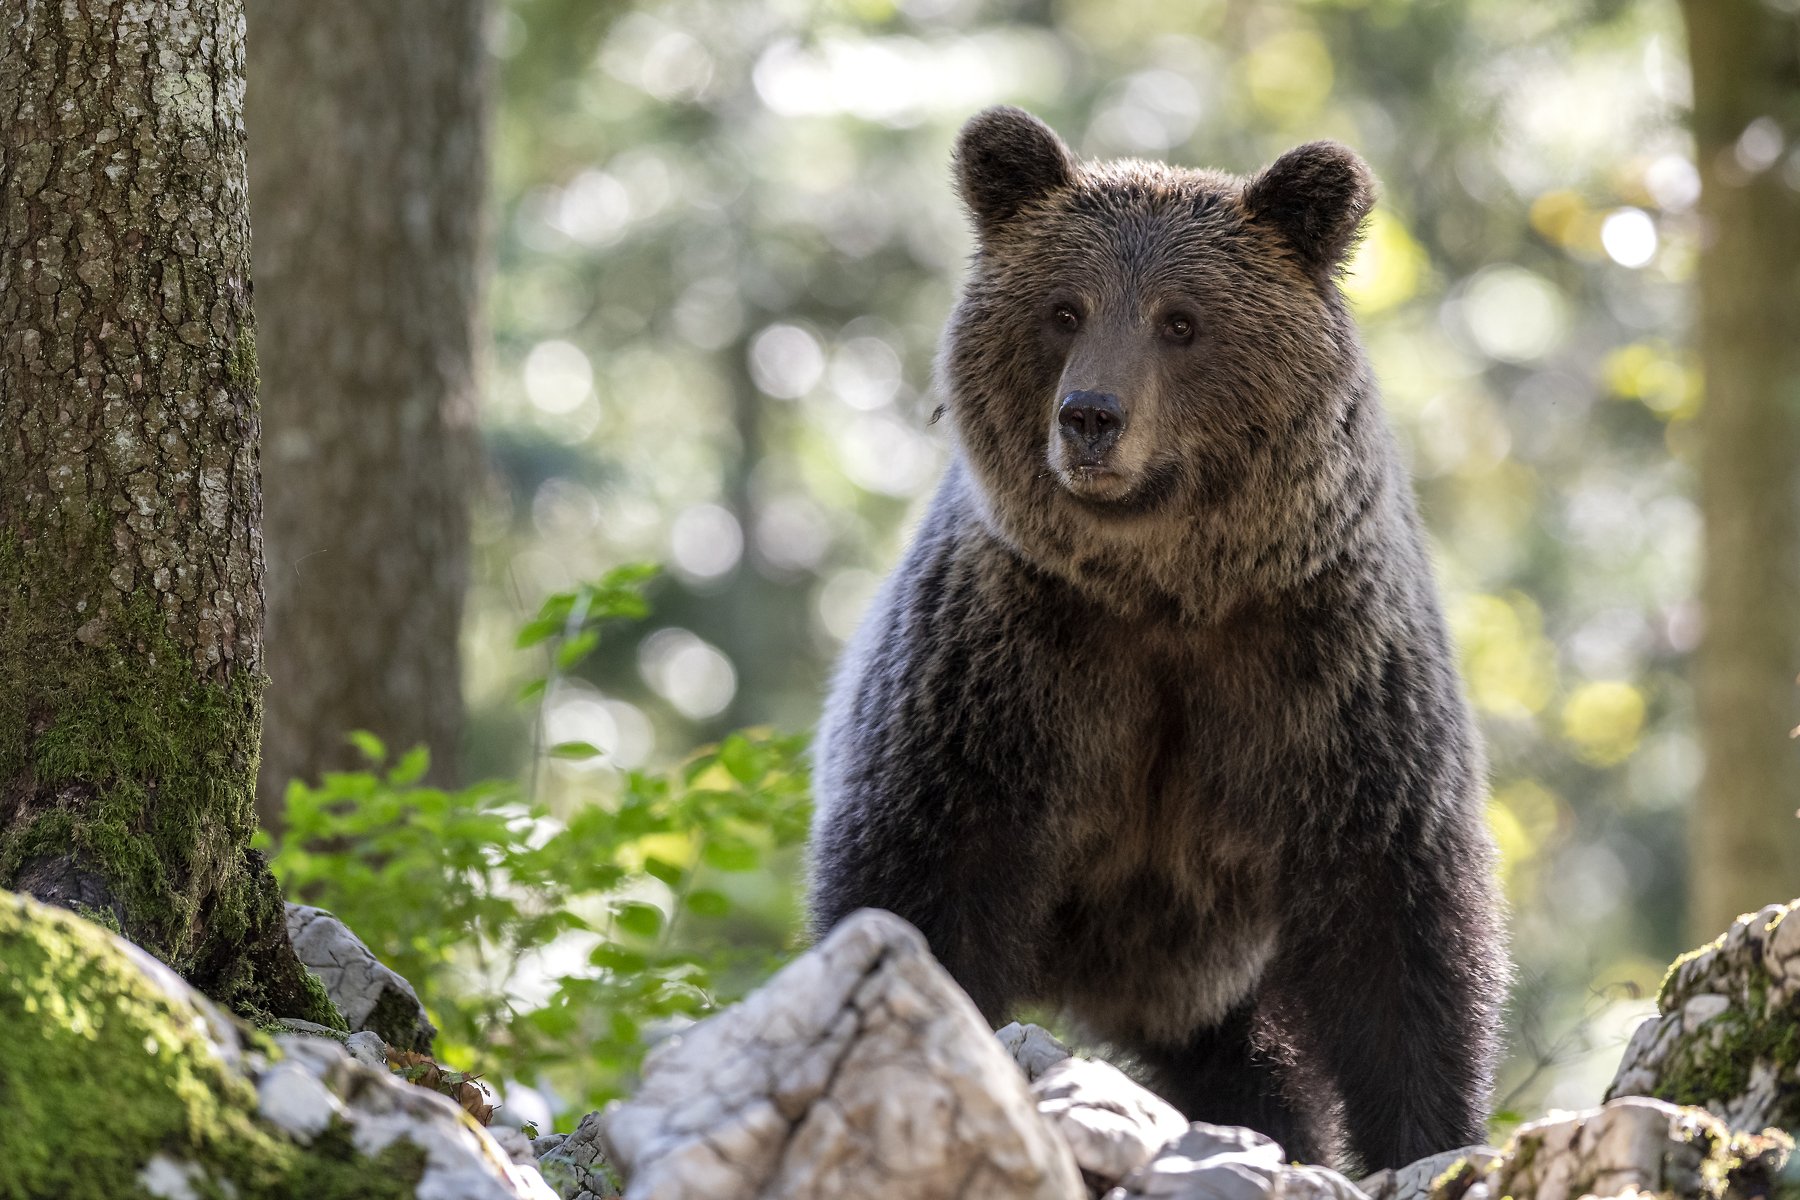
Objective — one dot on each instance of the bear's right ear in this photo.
(1006, 158)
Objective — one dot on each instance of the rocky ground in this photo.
(858, 1071)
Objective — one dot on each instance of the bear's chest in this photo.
(1192, 759)
(1174, 862)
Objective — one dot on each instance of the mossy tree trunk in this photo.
(367, 175)
(130, 509)
(1745, 56)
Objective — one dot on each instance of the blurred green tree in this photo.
(1746, 113)
(368, 170)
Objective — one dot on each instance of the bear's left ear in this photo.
(1006, 158)
(1317, 196)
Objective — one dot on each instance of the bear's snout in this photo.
(1091, 422)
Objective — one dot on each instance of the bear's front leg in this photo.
(1394, 981)
(1225, 1075)
(953, 863)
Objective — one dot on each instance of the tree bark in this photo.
(1745, 56)
(130, 509)
(367, 166)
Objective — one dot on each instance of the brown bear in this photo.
(1158, 721)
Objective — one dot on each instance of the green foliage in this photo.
(555, 941)
(152, 757)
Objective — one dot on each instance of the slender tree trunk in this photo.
(1746, 840)
(130, 543)
(367, 165)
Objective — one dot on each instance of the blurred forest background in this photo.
(723, 242)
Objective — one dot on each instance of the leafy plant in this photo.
(549, 945)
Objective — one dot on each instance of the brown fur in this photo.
(1163, 727)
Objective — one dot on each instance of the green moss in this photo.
(320, 1003)
(105, 918)
(241, 366)
(141, 765)
(395, 1020)
(1454, 1180)
(1666, 1000)
(103, 1070)
(1718, 1066)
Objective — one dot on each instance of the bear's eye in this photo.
(1066, 317)
(1179, 328)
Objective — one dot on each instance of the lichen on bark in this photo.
(130, 505)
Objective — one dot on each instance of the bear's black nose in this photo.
(1092, 420)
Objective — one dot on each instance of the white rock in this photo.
(167, 1178)
(1744, 984)
(293, 1098)
(575, 1165)
(1033, 1047)
(357, 982)
(1703, 1008)
(462, 1161)
(1223, 1162)
(1413, 1181)
(1113, 1124)
(1628, 1147)
(367, 1049)
(861, 1070)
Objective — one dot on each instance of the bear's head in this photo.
(1151, 372)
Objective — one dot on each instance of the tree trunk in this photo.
(1746, 841)
(367, 165)
(130, 544)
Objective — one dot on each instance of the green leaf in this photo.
(617, 958)
(575, 750)
(730, 854)
(631, 575)
(368, 745)
(743, 760)
(411, 768)
(639, 919)
(663, 869)
(707, 903)
(540, 629)
(532, 689)
(576, 648)
(624, 1029)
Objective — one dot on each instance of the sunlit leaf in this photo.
(368, 745)
(639, 919)
(707, 903)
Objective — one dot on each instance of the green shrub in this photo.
(548, 947)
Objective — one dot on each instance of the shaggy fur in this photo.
(1168, 732)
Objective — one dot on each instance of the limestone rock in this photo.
(575, 1165)
(1628, 1147)
(1728, 1036)
(1113, 1124)
(98, 1031)
(1033, 1047)
(368, 1049)
(861, 1070)
(514, 1144)
(317, 1084)
(1414, 1181)
(1224, 1162)
(370, 996)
